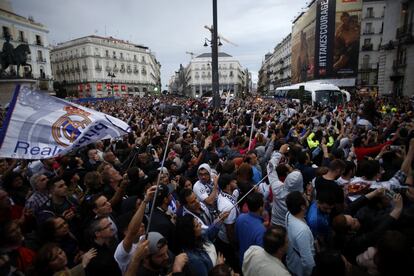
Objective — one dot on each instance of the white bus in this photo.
(314, 93)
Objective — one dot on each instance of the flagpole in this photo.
(158, 181)
(251, 132)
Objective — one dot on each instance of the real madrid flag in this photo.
(39, 126)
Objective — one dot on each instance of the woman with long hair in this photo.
(202, 255)
(52, 260)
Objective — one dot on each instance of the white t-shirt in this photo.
(225, 202)
(202, 191)
(122, 257)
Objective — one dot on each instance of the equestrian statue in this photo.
(14, 56)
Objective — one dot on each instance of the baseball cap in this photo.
(156, 242)
(163, 192)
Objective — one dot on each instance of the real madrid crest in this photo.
(69, 126)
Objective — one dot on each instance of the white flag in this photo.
(39, 126)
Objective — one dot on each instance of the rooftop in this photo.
(208, 55)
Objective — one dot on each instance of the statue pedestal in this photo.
(7, 87)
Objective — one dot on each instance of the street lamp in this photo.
(215, 43)
(112, 76)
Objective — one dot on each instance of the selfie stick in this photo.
(254, 186)
(251, 131)
(158, 180)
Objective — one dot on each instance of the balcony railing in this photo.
(369, 32)
(397, 64)
(369, 15)
(404, 30)
(41, 60)
(367, 67)
(367, 47)
(22, 39)
(84, 68)
(98, 68)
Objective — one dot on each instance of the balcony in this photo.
(129, 70)
(98, 68)
(368, 67)
(388, 46)
(39, 43)
(369, 15)
(398, 64)
(369, 32)
(136, 71)
(108, 69)
(404, 34)
(41, 60)
(84, 68)
(122, 70)
(116, 69)
(367, 47)
(404, 30)
(22, 39)
(77, 68)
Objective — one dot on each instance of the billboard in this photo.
(325, 41)
(303, 46)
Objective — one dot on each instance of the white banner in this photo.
(39, 126)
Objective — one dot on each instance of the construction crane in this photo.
(220, 36)
(191, 54)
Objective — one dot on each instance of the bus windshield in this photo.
(328, 97)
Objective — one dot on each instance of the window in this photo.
(39, 55)
(365, 61)
(135, 57)
(368, 28)
(38, 40)
(370, 12)
(42, 73)
(367, 41)
(6, 31)
(106, 53)
(121, 55)
(21, 36)
(113, 54)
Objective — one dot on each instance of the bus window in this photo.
(328, 97)
(307, 97)
(292, 94)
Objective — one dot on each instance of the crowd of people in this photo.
(258, 187)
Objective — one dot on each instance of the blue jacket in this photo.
(249, 231)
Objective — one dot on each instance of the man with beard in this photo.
(159, 261)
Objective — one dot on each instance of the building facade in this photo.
(24, 30)
(264, 76)
(396, 66)
(95, 66)
(198, 78)
(372, 28)
(279, 63)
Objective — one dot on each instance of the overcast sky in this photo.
(170, 27)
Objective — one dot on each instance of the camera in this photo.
(395, 148)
